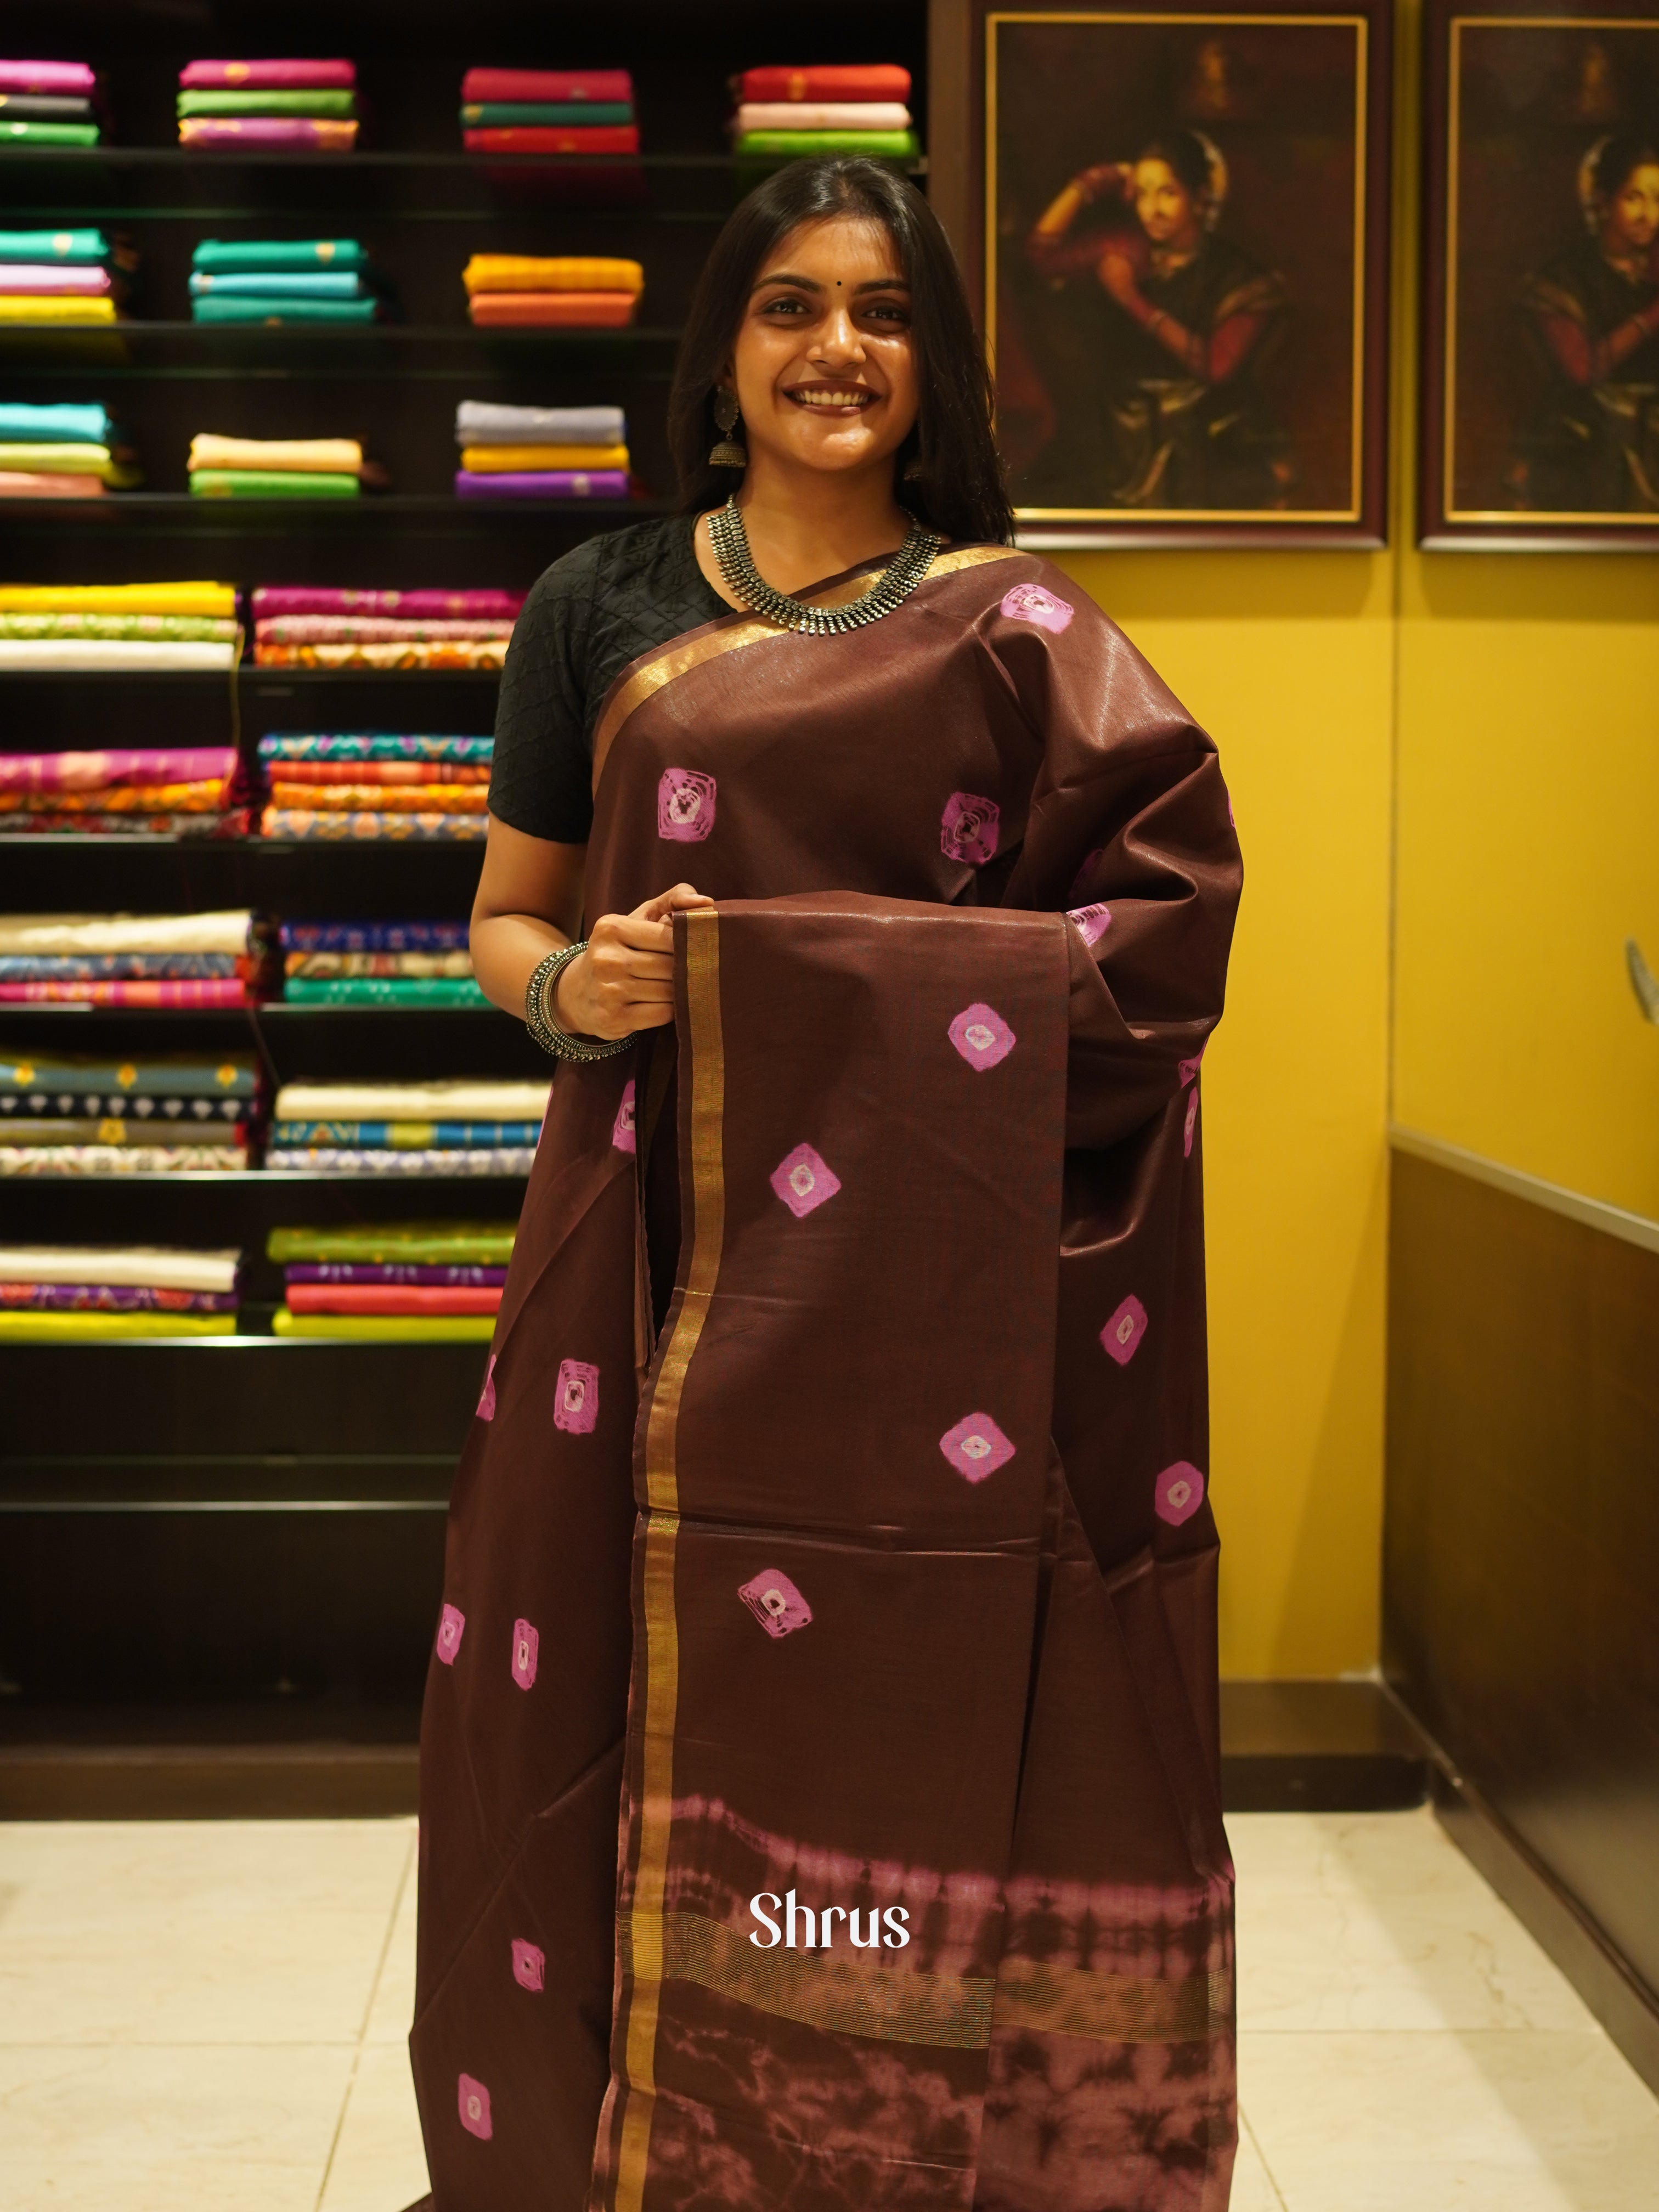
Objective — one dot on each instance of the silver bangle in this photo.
(538, 1019)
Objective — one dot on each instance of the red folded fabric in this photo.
(547, 84)
(553, 311)
(268, 77)
(545, 138)
(829, 80)
(417, 605)
(392, 1299)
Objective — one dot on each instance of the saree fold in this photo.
(412, 606)
(819, 1797)
(397, 1244)
(347, 746)
(454, 652)
(307, 824)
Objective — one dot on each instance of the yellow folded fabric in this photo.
(16, 1323)
(390, 1328)
(329, 456)
(42, 307)
(564, 272)
(118, 599)
(486, 460)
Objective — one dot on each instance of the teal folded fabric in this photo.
(560, 114)
(63, 423)
(277, 284)
(255, 253)
(36, 247)
(271, 483)
(266, 307)
(383, 991)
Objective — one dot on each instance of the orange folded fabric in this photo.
(574, 310)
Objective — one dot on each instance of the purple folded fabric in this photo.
(414, 606)
(543, 483)
(395, 1271)
(265, 130)
(46, 76)
(92, 771)
(265, 76)
(111, 1297)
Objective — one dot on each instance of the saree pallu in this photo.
(906, 1617)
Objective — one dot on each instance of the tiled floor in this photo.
(209, 2017)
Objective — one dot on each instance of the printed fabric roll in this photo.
(96, 653)
(404, 1136)
(385, 991)
(385, 798)
(387, 1328)
(553, 311)
(109, 1298)
(384, 1272)
(584, 85)
(454, 1098)
(502, 1160)
(119, 598)
(402, 1243)
(163, 1075)
(207, 797)
(459, 653)
(271, 483)
(140, 1120)
(828, 81)
(173, 1268)
(211, 991)
(87, 772)
(555, 484)
(346, 745)
(372, 629)
(564, 272)
(111, 967)
(413, 606)
(364, 770)
(391, 1298)
(485, 423)
(231, 255)
(120, 1159)
(372, 937)
(235, 823)
(305, 825)
(267, 75)
(172, 629)
(453, 961)
(84, 1129)
(92, 1328)
(299, 133)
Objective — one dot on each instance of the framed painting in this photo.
(1184, 277)
(1541, 370)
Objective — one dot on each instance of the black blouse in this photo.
(621, 594)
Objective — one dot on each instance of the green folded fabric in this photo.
(40, 1327)
(319, 102)
(547, 114)
(414, 1243)
(42, 246)
(225, 256)
(195, 629)
(56, 460)
(49, 134)
(789, 145)
(383, 1328)
(383, 991)
(272, 484)
(244, 307)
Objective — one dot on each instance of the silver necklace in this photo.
(897, 580)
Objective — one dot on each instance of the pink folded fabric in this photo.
(266, 76)
(413, 606)
(40, 277)
(93, 771)
(202, 991)
(375, 630)
(24, 483)
(297, 130)
(558, 85)
(46, 76)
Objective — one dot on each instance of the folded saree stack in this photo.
(549, 112)
(276, 468)
(117, 626)
(463, 1125)
(155, 791)
(541, 452)
(175, 960)
(399, 1281)
(47, 104)
(165, 1113)
(278, 280)
(829, 108)
(282, 107)
(61, 275)
(301, 626)
(378, 963)
(61, 451)
(373, 784)
(74, 1293)
(560, 291)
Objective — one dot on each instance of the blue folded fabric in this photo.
(265, 283)
(63, 423)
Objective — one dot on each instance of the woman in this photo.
(1593, 449)
(1154, 354)
(920, 1894)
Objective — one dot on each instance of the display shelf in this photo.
(180, 510)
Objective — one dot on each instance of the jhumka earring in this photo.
(727, 453)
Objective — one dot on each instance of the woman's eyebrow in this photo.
(811, 284)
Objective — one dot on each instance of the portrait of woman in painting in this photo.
(1156, 325)
(1593, 446)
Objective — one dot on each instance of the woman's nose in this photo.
(839, 338)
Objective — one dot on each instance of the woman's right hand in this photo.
(625, 979)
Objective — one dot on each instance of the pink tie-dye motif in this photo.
(486, 1395)
(621, 1129)
(685, 805)
(968, 828)
(804, 1179)
(975, 1447)
(1093, 922)
(1030, 603)
(1192, 1119)
(474, 2100)
(1085, 874)
(576, 1397)
(452, 1626)
(1122, 1333)
(981, 1035)
(529, 1965)
(1178, 1492)
(525, 1645)
(1187, 1069)
(775, 1602)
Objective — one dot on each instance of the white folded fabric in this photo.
(460, 1100)
(823, 115)
(114, 653)
(143, 1267)
(481, 422)
(459, 1160)
(126, 932)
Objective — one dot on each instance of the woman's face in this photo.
(1163, 204)
(1633, 215)
(823, 365)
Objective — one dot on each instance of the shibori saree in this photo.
(872, 1571)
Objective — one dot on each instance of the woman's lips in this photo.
(831, 399)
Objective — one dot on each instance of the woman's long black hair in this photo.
(959, 490)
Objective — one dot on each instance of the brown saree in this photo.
(870, 1853)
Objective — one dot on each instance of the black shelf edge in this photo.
(247, 671)
(343, 334)
(390, 506)
(189, 157)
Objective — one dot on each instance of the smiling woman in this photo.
(835, 1522)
